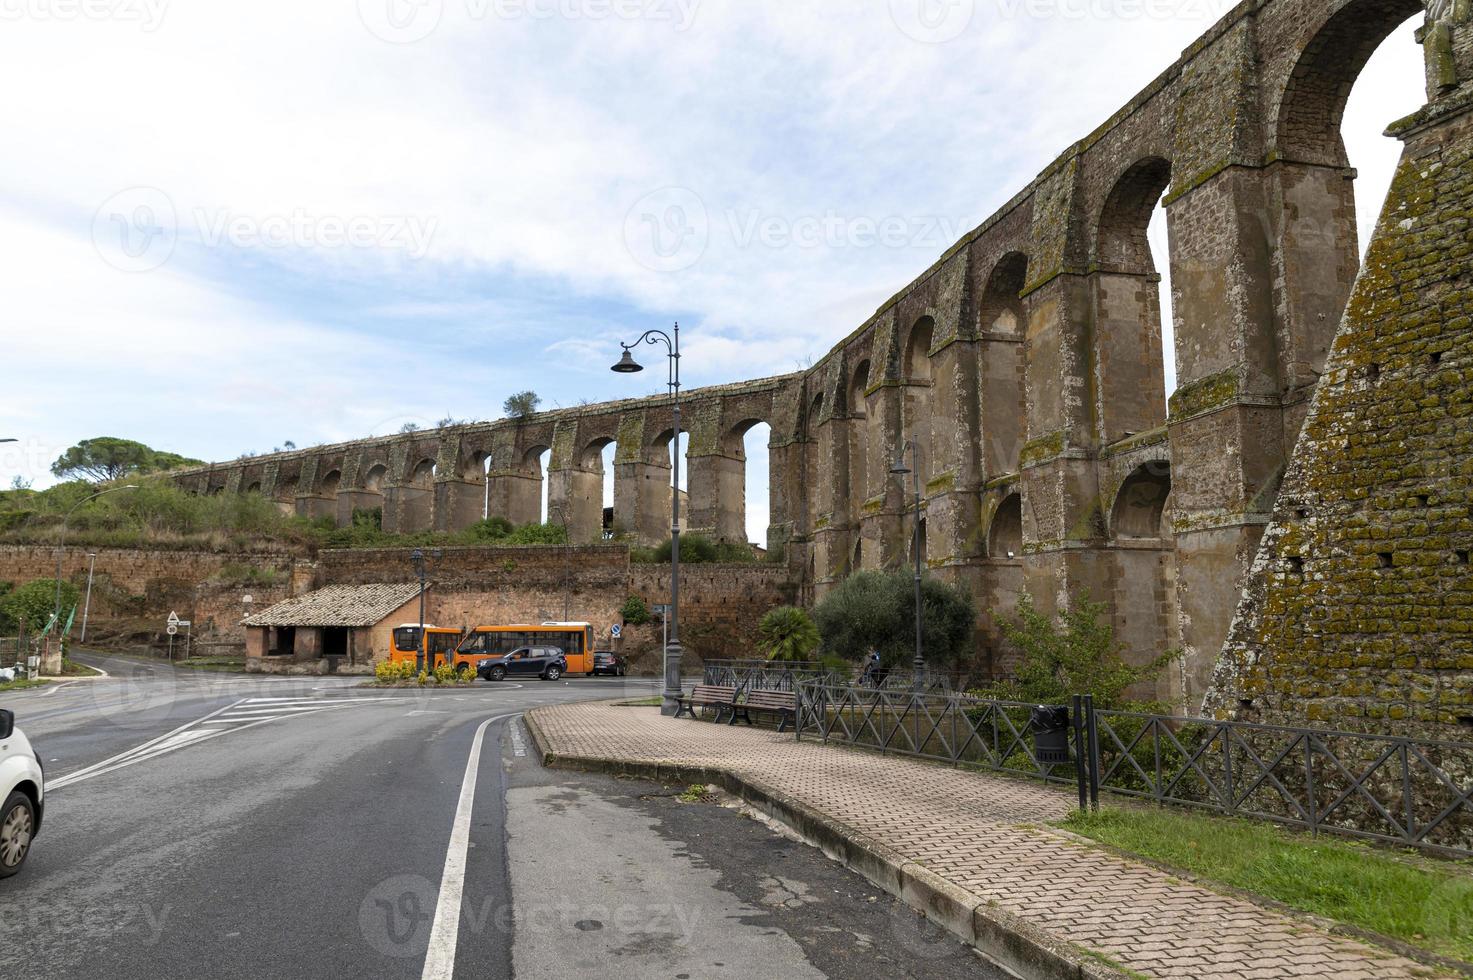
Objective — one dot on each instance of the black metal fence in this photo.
(1387, 788)
(775, 675)
(763, 675)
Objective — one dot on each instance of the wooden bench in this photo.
(707, 696)
(783, 704)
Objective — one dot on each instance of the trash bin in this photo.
(1050, 727)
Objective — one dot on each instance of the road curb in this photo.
(1017, 945)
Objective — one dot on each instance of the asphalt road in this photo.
(212, 825)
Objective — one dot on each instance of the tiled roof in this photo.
(337, 605)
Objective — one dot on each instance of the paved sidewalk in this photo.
(981, 833)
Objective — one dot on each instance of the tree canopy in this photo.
(106, 458)
(34, 603)
(876, 611)
(522, 404)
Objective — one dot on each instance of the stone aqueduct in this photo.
(1027, 362)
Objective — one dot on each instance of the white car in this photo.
(22, 785)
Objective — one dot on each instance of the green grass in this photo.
(654, 702)
(70, 668)
(1418, 900)
(21, 684)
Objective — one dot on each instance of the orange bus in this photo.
(439, 644)
(574, 639)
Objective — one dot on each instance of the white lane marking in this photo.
(445, 933)
(194, 732)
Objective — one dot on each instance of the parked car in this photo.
(548, 663)
(609, 662)
(22, 781)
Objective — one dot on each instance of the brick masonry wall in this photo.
(135, 590)
(1359, 608)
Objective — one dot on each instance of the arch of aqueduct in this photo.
(1027, 360)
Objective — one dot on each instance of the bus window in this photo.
(406, 639)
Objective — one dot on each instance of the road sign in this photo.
(616, 631)
(172, 629)
(660, 609)
(173, 618)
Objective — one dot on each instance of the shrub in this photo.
(538, 534)
(491, 529)
(33, 603)
(634, 611)
(787, 633)
(697, 549)
(876, 611)
(1075, 654)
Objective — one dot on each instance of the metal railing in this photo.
(1383, 787)
(1393, 789)
(762, 675)
(954, 728)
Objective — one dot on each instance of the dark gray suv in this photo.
(548, 663)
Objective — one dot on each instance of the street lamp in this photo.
(421, 565)
(87, 605)
(627, 365)
(562, 516)
(61, 545)
(918, 665)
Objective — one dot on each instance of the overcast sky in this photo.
(228, 224)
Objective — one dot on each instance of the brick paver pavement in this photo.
(983, 834)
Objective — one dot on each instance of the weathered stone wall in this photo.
(1359, 610)
(1025, 366)
(134, 591)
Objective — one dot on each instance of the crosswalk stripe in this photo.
(234, 717)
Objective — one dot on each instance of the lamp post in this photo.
(421, 567)
(918, 665)
(562, 516)
(627, 365)
(87, 604)
(61, 545)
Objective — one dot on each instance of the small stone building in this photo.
(341, 628)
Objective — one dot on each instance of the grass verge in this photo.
(1415, 899)
(21, 684)
(70, 668)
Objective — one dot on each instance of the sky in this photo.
(228, 224)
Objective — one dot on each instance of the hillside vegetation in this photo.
(160, 515)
